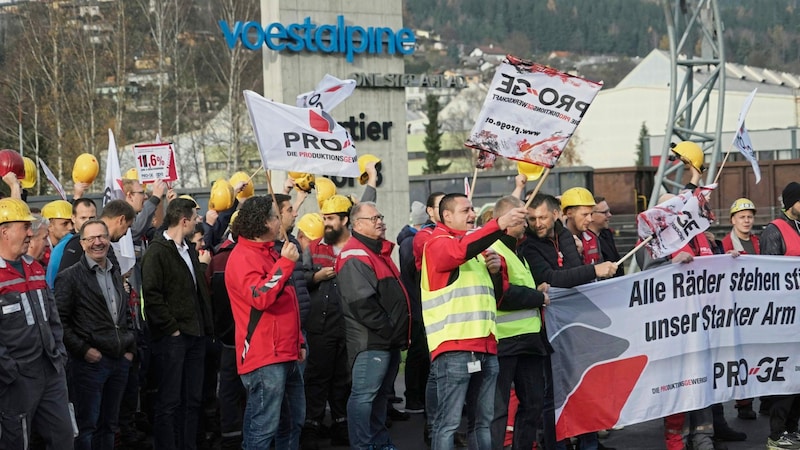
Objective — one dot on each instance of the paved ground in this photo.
(643, 436)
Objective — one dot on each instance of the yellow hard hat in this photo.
(304, 182)
(233, 217)
(576, 196)
(742, 204)
(15, 210)
(337, 204)
(221, 195)
(57, 209)
(325, 190)
(690, 153)
(131, 174)
(85, 169)
(532, 171)
(295, 175)
(191, 199)
(363, 160)
(31, 173)
(311, 225)
(248, 190)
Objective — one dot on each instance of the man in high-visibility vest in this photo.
(458, 309)
(522, 345)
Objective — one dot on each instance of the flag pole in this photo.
(723, 164)
(472, 188)
(274, 202)
(538, 186)
(260, 168)
(635, 249)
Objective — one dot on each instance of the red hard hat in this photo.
(11, 161)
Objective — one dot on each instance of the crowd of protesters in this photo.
(243, 327)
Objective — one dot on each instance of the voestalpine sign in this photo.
(404, 80)
(349, 40)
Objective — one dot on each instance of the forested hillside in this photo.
(764, 33)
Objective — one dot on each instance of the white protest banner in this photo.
(531, 111)
(51, 177)
(113, 191)
(301, 139)
(155, 162)
(328, 94)
(742, 138)
(675, 222)
(676, 338)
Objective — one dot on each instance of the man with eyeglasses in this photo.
(376, 315)
(179, 316)
(599, 227)
(93, 307)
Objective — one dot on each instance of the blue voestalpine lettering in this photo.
(350, 40)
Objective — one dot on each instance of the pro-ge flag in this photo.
(303, 140)
(675, 222)
(531, 111)
(113, 191)
(328, 94)
(742, 139)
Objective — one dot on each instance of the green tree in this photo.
(433, 138)
(642, 145)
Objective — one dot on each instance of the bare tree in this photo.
(230, 67)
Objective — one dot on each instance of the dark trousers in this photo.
(549, 408)
(781, 417)
(232, 396)
(130, 398)
(179, 362)
(418, 364)
(36, 400)
(327, 377)
(98, 389)
(526, 372)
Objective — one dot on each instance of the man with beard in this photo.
(327, 374)
(551, 252)
(782, 237)
(605, 236)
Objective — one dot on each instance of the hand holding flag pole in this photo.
(635, 249)
(283, 236)
(538, 186)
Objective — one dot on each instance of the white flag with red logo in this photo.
(301, 139)
(113, 191)
(328, 94)
(742, 139)
(676, 221)
(531, 111)
(51, 177)
(485, 160)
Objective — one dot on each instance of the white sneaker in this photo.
(785, 442)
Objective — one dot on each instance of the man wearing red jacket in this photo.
(459, 308)
(267, 317)
(376, 315)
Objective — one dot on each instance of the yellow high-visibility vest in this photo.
(523, 321)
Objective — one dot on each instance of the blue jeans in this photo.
(179, 362)
(373, 383)
(454, 386)
(98, 394)
(267, 387)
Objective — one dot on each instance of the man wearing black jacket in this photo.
(93, 307)
(554, 259)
